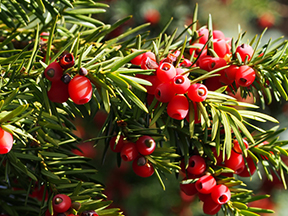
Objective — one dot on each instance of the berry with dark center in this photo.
(180, 84)
(83, 71)
(165, 72)
(142, 167)
(145, 145)
(67, 60)
(205, 184)
(197, 165)
(164, 92)
(53, 72)
(220, 194)
(129, 151)
(197, 92)
(245, 76)
(61, 203)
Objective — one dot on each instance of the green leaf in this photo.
(12, 114)
(248, 213)
(227, 140)
(231, 111)
(49, 174)
(85, 11)
(257, 116)
(135, 99)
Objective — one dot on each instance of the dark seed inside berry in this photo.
(242, 45)
(179, 81)
(243, 80)
(141, 161)
(51, 72)
(58, 200)
(66, 78)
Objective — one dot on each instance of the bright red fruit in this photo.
(67, 60)
(197, 92)
(203, 34)
(180, 84)
(245, 51)
(165, 72)
(205, 184)
(197, 165)
(142, 167)
(210, 207)
(153, 79)
(129, 151)
(252, 168)
(6, 141)
(245, 76)
(197, 47)
(145, 145)
(235, 162)
(164, 92)
(148, 61)
(53, 72)
(80, 90)
(61, 203)
(236, 146)
(58, 92)
(137, 60)
(217, 34)
(221, 47)
(210, 63)
(220, 194)
(116, 147)
(178, 107)
(89, 213)
(231, 71)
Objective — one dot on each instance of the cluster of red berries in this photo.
(62, 206)
(79, 89)
(136, 152)
(243, 75)
(6, 141)
(204, 185)
(170, 84)
(236, 161)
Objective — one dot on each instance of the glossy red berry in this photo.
(220, 194)
(197, 165)
(165, 72)
(217, 34)
(213, 83)
(178, 107)
(235, 162)
(221, 47)
(145, 145)
(197, 92)
(53, 72)
(245, 76)
(129, 151)
(164, 92)
(245, 51)
(89, 213)
(67, 60)
(231, 71)
(58, 92)
(237, 148)
(252, 168)
(209, 63)
(142, 167)
(205, 184)
(80, 89)
(210, 207)
(6, 141)
(116, 147)
(188, 189)
(203, 34)
(137, 60)
(61, 203)
(148, 61)
(196, 48)
(180, 84)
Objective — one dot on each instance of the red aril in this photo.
(80, 89)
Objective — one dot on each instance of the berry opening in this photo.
(141, 161)
(58, 200)
(124, 157)
(223, 199)
(179, 80)
(51, 72)
(200, 186)
(243, 80)
(192, 164)
(201, 92)
(148, 143)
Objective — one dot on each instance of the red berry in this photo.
(235, 162)
(53, 72)
(58, 92)
(145, 145)
(221, 47)
(61, 203)
(245, 76)
(137, 60)
(244, 51)
(148, 61)
(205, 184)
(197, 165)
(231, 71)
(197, 92)
(165, 72)
(178, 107)
(252, 168)
(142, 167)
(180, 84)
(197, 47)
(152, 16)
(203, 34)
(210, 207)
(217, 34)
(220, 194)
(6, 141)
(188, 189)
(164, 92)
(44, 36)
(116, 147)
(184, 63)
(236, 146)
(129, 151)
(213, 83)
(80, 89)
(67, 60)
(209, 63)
